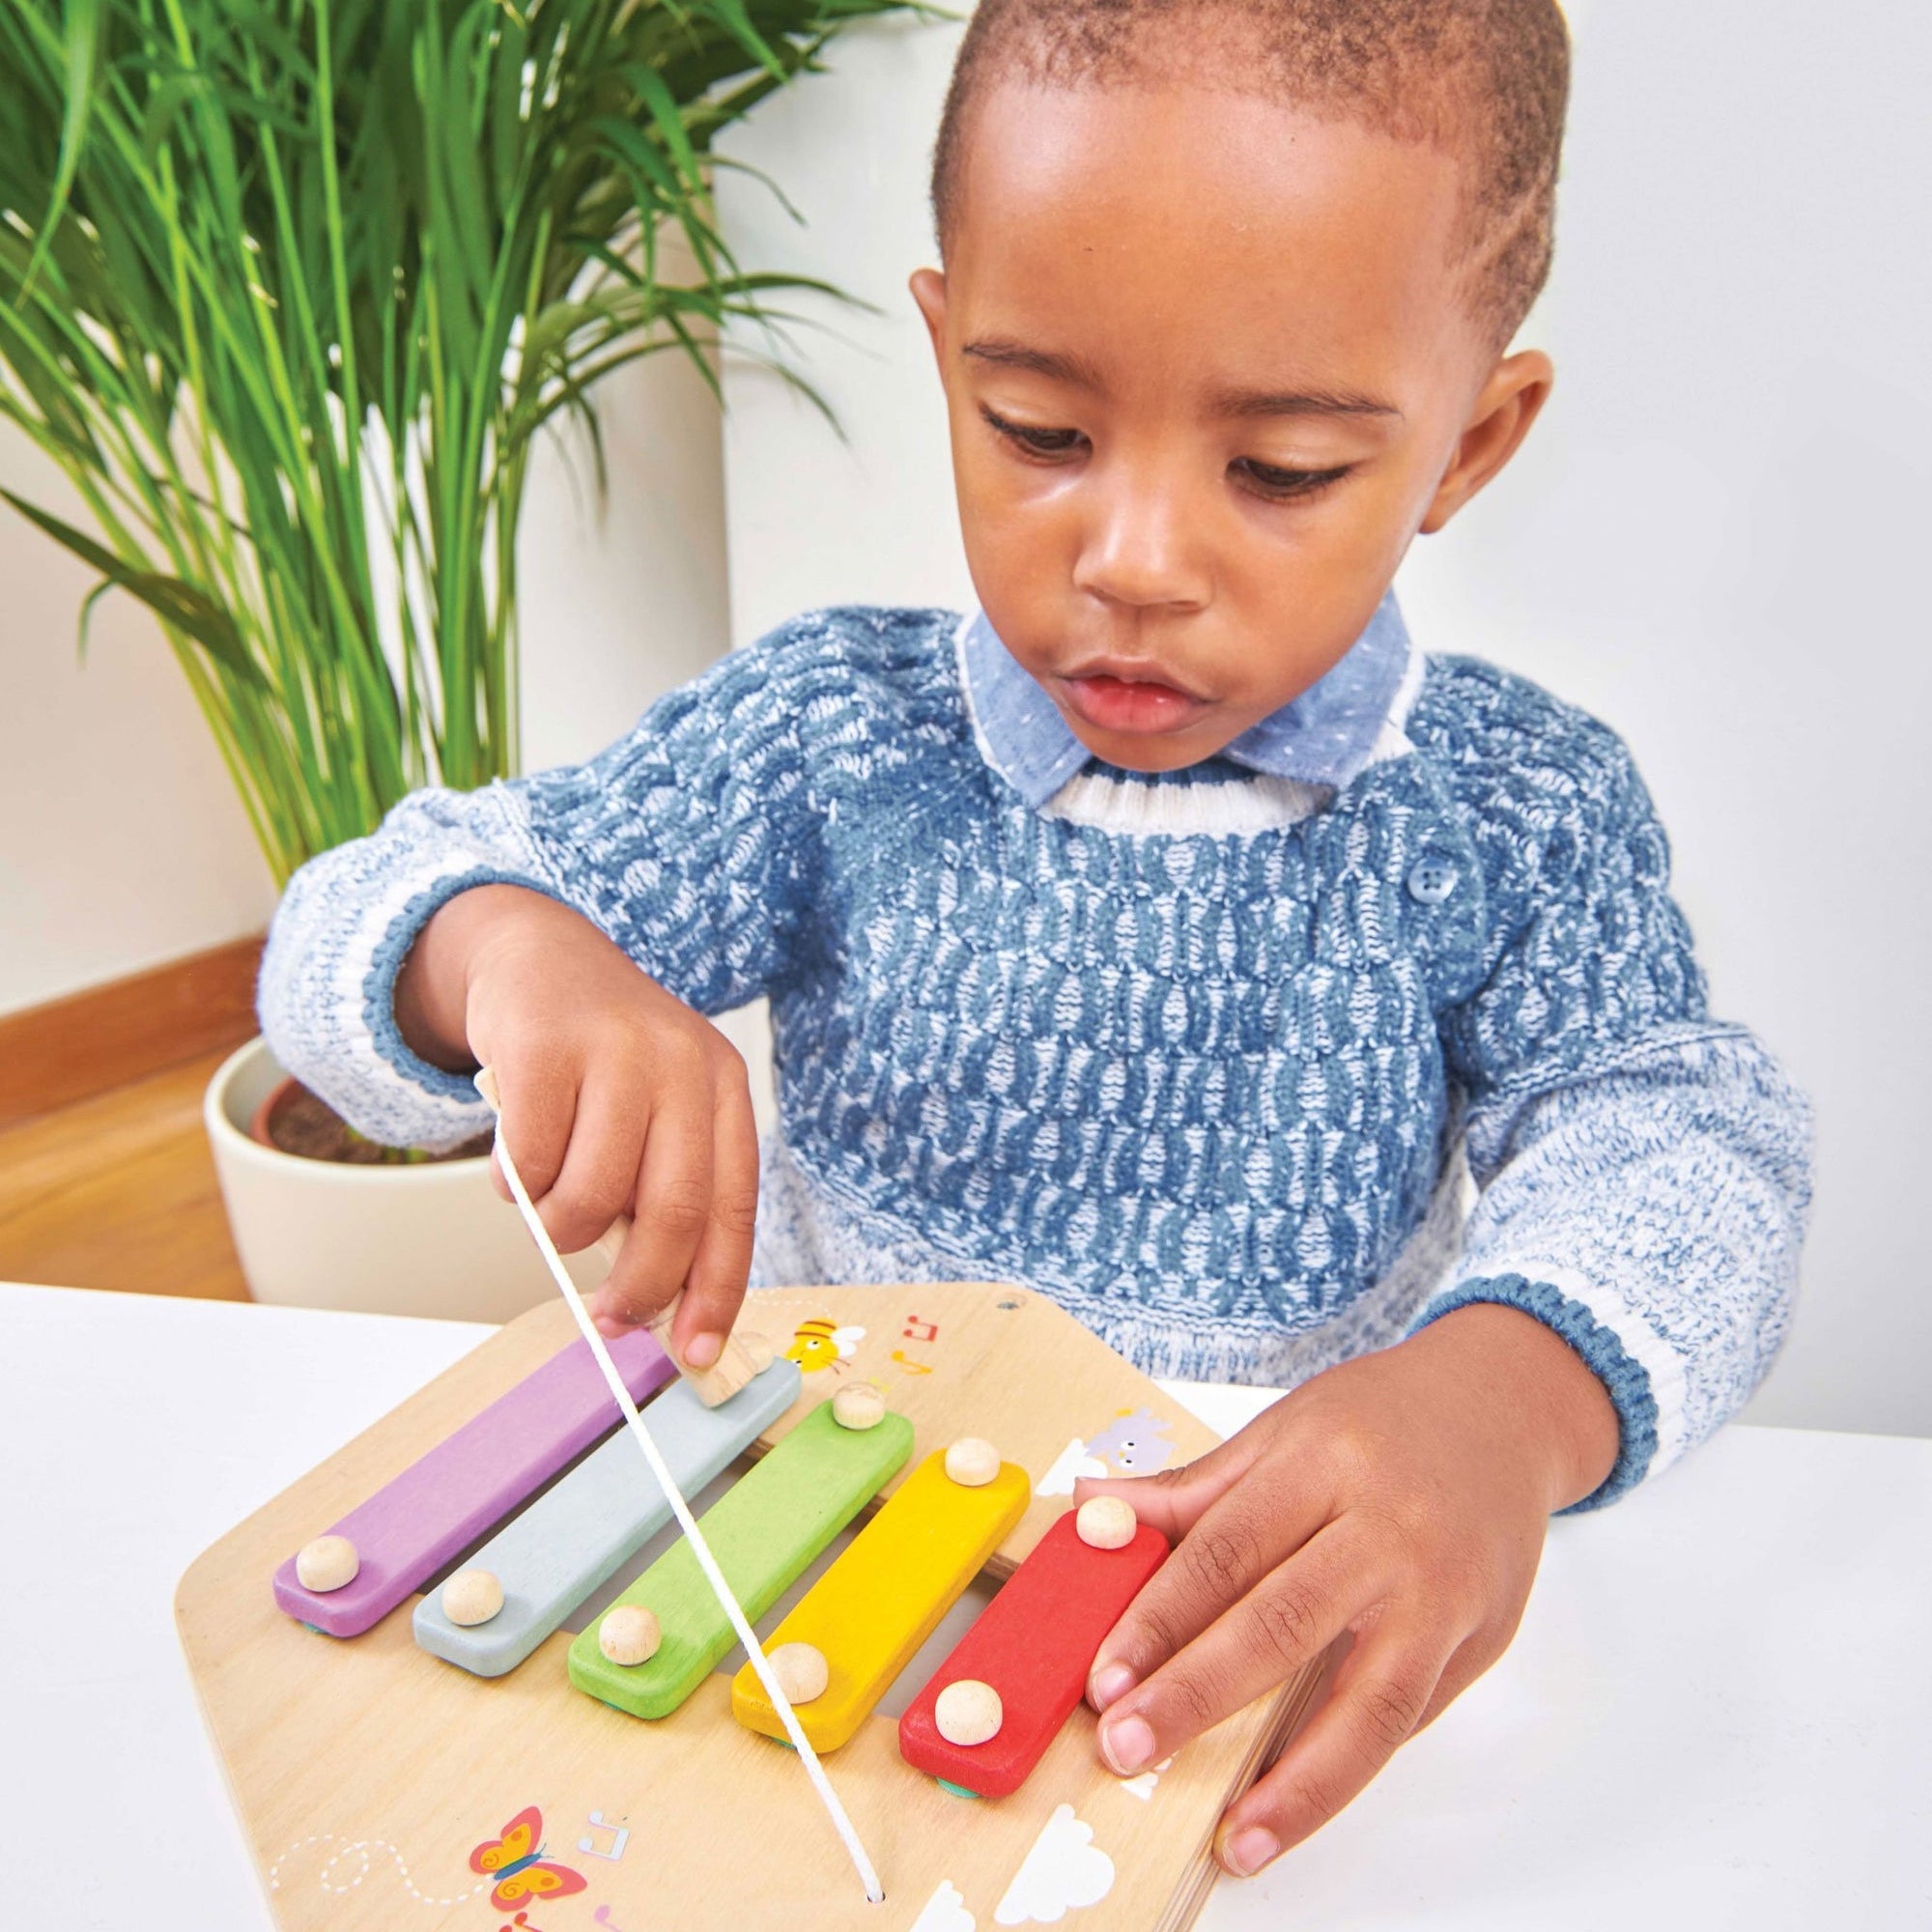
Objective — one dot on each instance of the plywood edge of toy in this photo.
(1283, 1712)
(375, 1456)
(239, 1799)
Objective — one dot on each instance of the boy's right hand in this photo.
(617, 1098)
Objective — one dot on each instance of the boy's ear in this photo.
(1509, 402)
(929, 291)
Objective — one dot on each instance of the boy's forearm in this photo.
(1564, 1412)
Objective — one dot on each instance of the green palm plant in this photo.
(287, 289)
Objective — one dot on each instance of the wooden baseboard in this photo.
(105, 1037)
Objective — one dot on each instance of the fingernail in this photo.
(1127, 1745)
(612, 1328)
(702, 1351)
(1248, 1852)
(1109, 1684)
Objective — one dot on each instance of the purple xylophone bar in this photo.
(470, 1480)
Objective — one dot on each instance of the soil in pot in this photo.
(294, 1121)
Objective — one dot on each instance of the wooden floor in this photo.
(119, 1192)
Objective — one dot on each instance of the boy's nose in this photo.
(1138, 550)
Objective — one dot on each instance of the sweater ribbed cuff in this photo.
(378, 988)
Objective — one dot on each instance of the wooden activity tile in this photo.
(383, 1791)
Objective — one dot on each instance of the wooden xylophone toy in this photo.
(397, 1766)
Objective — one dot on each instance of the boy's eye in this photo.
(1265, 479)
(1035, 440)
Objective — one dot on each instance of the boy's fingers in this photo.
(1471, 1658)
(715, 1286)
(535, 1123)
(599, 1177)
(1377, 1704)
(1280, 1626)
(1232, 1544)
(673, 1198)
(1173, 1499)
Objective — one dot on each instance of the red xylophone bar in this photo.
(1033, 1643)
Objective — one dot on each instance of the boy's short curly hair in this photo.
(1488, 77)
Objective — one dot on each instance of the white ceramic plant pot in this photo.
(431, 1239)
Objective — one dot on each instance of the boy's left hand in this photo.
(1401, 1497)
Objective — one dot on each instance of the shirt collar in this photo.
(1325, 736)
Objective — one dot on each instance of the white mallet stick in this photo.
(699, 1548)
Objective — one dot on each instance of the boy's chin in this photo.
(1151, 752)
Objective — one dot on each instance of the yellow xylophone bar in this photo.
(883, 1597)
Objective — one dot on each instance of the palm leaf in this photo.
(287, 287)
(179, 605)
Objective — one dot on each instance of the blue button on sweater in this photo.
(1198, 1060)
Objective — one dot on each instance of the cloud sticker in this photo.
(1142, 1787)
(945, 1912)
(1072, 1461)
(1063, 1871)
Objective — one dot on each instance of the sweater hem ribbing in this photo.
(863, 1241)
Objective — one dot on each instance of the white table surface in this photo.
(1715, 1714)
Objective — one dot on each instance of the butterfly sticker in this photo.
(516, 1862)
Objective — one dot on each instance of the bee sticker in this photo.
(516, 1863)
(819, 1345)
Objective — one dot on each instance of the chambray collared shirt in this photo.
(1325, 736)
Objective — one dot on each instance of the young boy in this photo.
(1164, 934)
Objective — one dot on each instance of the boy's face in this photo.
(1209, 367)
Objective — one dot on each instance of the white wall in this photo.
(1709, 540)
(120, 840)
(618, 608)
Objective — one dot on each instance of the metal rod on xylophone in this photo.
(486, 1084)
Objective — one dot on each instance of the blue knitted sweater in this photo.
(1211, 1061)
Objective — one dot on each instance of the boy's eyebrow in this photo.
(1301, 402)
(1006, 354)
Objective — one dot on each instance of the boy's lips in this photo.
(1115, 701)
